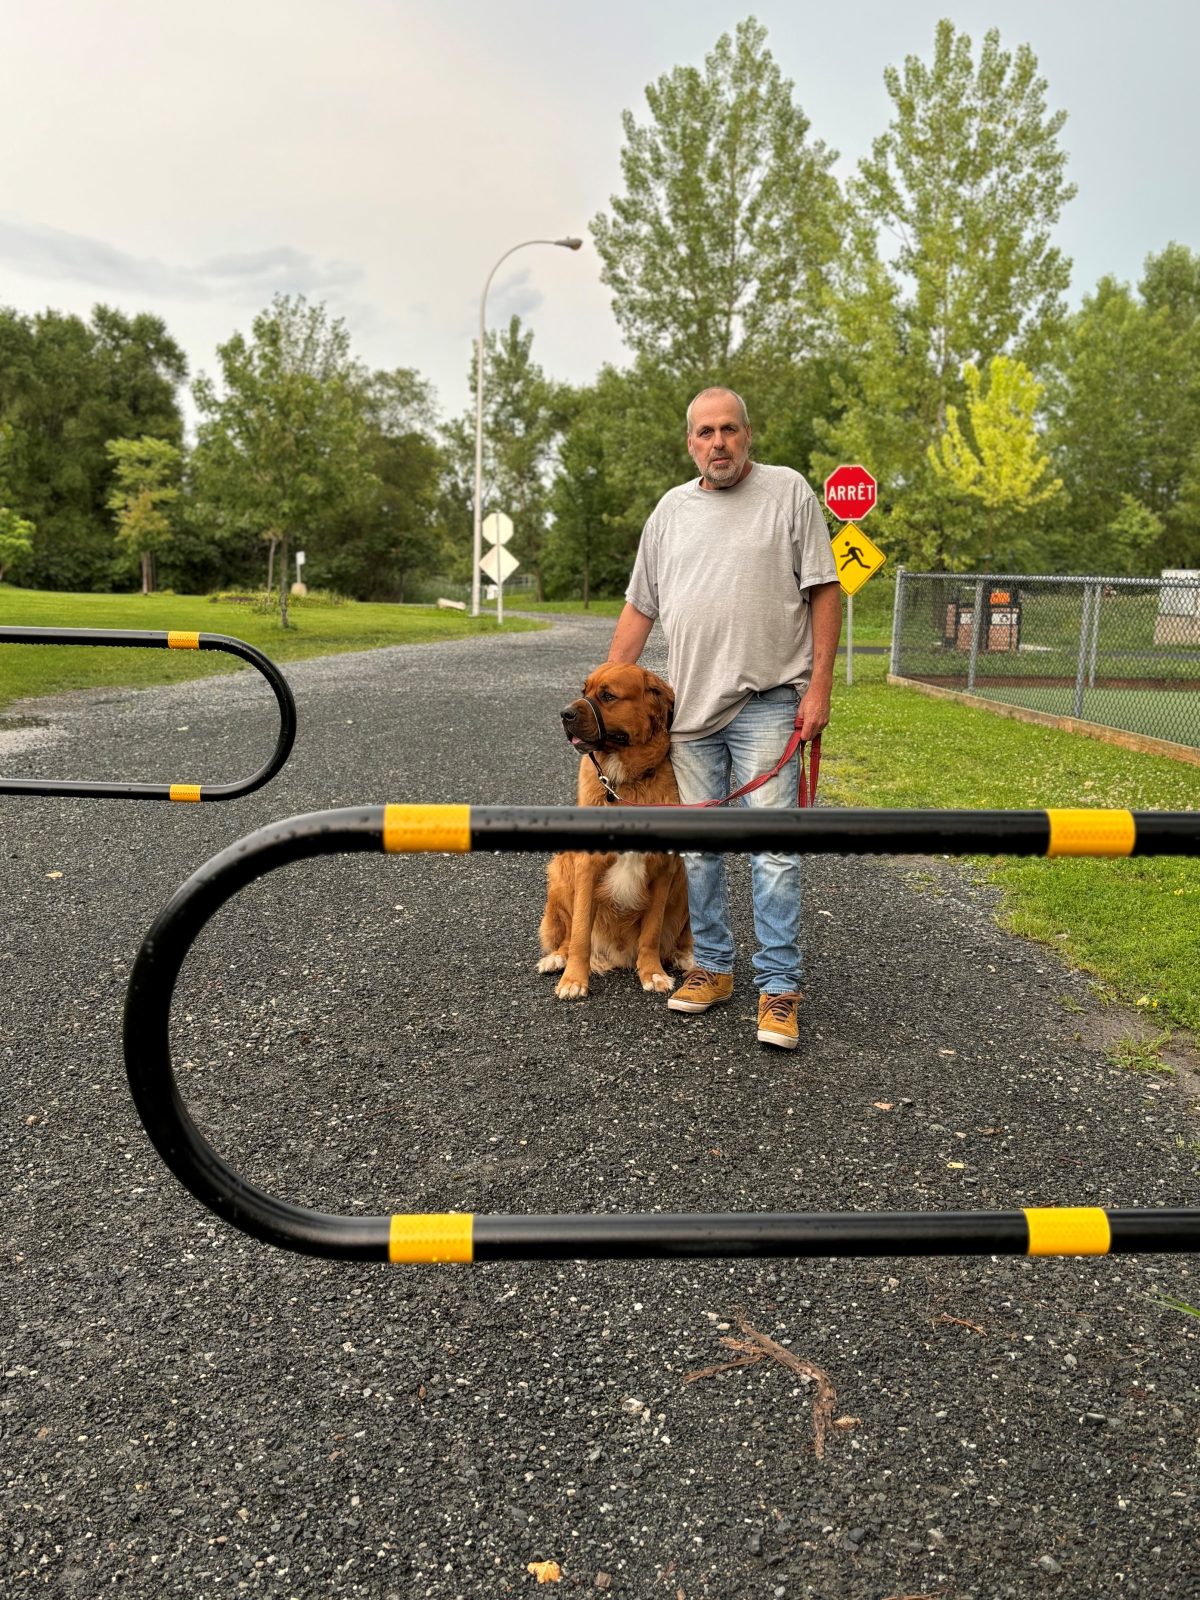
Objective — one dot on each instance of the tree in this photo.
(585, 552)
(969, 178)
(146, 474)
(66, 388)
(1124, 402)
(523, 417)
(720, 244)
(282, 449)
(16, 539)
(969, 181)
(16, 533)
(1006, 469)
(394, 533)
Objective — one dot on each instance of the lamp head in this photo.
(570, 244)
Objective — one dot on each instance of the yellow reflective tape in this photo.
(185, 791)
(1068, 1231)
(432, 1236)
(407, 828)
(1091, 833)
(183, 641)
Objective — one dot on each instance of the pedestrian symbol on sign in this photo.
(854, 554)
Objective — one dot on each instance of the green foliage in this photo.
(969, 177)
(16, 539)
(1124, 399)
(66, 388)
(1006, 470)
(282, 454)
(145, 473)
(16, 532)
(721, 243)
(393, 534)
(524, 414)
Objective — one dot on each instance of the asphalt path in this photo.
(187, 1412)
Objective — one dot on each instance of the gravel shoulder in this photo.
(186, 1412)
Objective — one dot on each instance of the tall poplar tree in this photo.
(967, 184)
(720, 244)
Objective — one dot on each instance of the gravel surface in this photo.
(187, 1412)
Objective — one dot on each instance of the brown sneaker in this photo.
(777, 1022)
(701, 989)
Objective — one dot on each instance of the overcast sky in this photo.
(193, 158)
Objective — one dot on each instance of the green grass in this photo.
(1134, 923)
(317, 630)
(1157, 713)
(1142, 1055)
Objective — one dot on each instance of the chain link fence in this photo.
(1119, 653)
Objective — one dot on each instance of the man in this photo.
(738, 568)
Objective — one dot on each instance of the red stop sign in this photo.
(850, 492)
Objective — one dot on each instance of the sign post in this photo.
(851, 491)
(499, 563)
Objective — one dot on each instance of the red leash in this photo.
(807, 782)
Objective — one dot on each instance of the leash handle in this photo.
(808, 791)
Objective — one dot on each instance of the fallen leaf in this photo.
(545, 1571)
(603, 1579)
(884, 1105)
(54, 874)
(956, 1166)
(947, 1052)
(847, 1422)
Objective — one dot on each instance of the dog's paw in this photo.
(571, 989)
(554, 963)
(660, 982)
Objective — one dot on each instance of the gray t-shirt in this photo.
(727, 573)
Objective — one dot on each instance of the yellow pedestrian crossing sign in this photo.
(857, 558)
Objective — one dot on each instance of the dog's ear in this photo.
(662, 701)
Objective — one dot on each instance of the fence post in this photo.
(897, 612)
(1097, 603)
(1084, 638)
(976, 629)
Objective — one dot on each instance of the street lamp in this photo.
(567, 244)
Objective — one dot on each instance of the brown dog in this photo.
(628, 909)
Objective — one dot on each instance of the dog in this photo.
(626, 909)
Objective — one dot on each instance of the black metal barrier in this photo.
(454, 1236)
(154, 640)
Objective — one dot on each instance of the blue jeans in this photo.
(708, 768)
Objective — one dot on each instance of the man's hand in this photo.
(814, 711)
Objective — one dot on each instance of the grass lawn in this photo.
(1157, 713)
(317, 630)
(1134, 923)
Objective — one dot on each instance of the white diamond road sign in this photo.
(499, 564)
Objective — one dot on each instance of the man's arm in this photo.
(825, 611)
(633, 629)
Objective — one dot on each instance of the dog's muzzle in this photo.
(583, 724)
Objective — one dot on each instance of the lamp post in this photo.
(567, 244)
